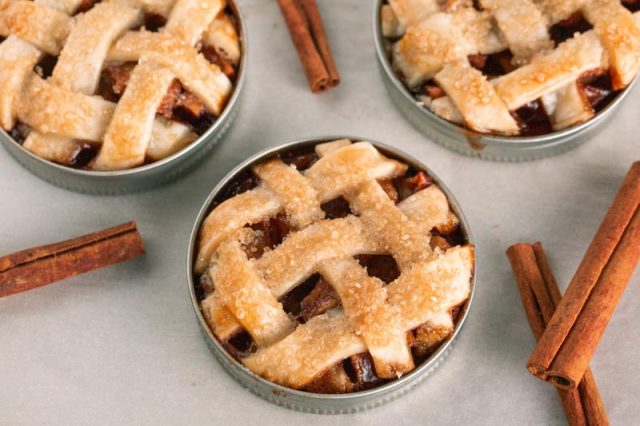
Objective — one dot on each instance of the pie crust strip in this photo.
(190, 18)
(567, 107)
(426, 47)
(50, 109)
(340, 170)
(443, 38)
(167, 138)
(18, 59)
(42, 26)
(81, 60)
(299, 254)
(300, 199)
(428, 208)
(79, 66)
(552, 71)
(59, 149)
(389, 23)
(221, 34)
(312, 348)
(378, 324)
(129, 132)
(200, 77)
(481, 107)
(68, 6)
(616, 28)
(293, 362)
(411, 12)
(245, 294)
(226, 219)
(523, 26)
(397, 234)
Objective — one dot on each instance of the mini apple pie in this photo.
(332, 270)
(526, 67)
(114, 84)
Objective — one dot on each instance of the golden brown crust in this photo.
(350, 310)
(448, 44)
(44, 27)
(89, 36)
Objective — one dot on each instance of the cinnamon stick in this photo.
(309, 37)
(310, 9)
(39, 266)
(589, 394)
(540, 295)
(565, 348)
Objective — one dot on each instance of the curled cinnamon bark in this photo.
(310, 9)
(540, 295)
(569, 341)
(39, 266)
(309, 37)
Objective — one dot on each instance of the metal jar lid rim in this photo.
(248, 375)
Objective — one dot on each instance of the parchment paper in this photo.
(121, 345)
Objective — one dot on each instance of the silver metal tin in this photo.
(147, 176)
(468, 142)
(307, 401)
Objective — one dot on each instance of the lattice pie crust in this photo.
(64, 111)
(373, 317)
(436, 39)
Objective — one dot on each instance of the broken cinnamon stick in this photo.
(540, 295)
(39, 266)
(565, 348)
(309, 37)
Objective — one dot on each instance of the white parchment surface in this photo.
(121, 345)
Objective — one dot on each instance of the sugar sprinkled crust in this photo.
(222, 35)
(620, 36)
(552, 71)
(79, 66)
(364, 300)
(327, 339)
(246, 295)
(18, 58)
(476, 99)
(298, 195)
(129, 133)
(52, 109)
(440, 40)
(108, 35)
(44, 27)
(373, 317)
(361, 160)
(523, 26)
(202, 78)
(410, 12)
